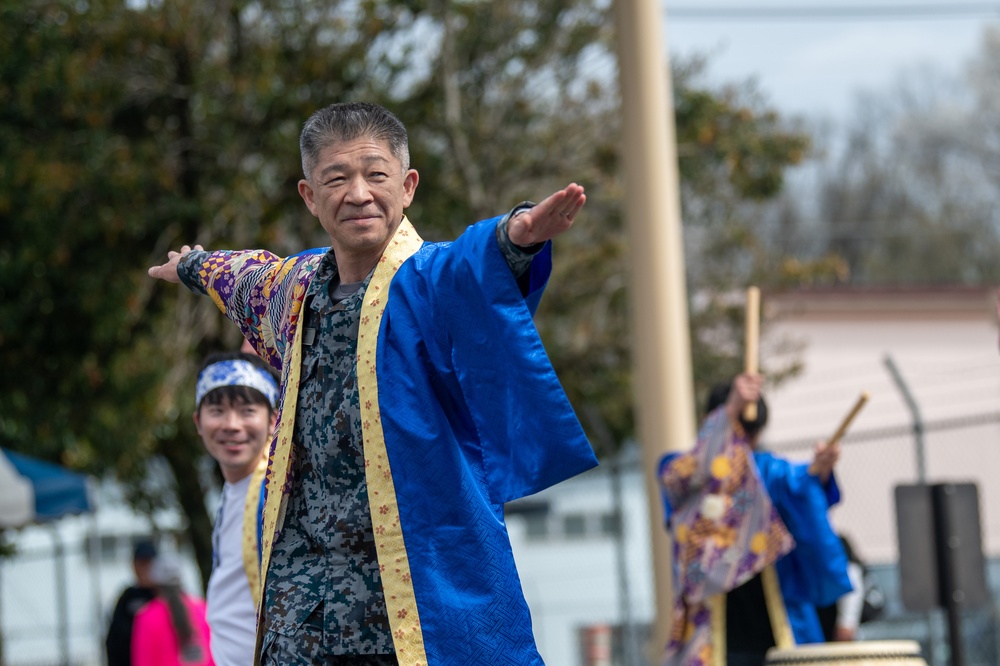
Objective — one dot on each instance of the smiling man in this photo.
(235, 401)
(416, 400)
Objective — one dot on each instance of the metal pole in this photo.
(2, 650)
(946, 552)
(661, 351)
(624, 598)
(921, 457)
(94, 545)
(62, 602)
(918, 422)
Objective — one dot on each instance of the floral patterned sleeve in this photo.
(259, 291)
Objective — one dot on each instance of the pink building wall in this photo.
(945, 345)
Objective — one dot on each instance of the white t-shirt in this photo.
(232, 616)
(849, 606)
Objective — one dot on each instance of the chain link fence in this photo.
(57, 592)
(873, 463)
(49, 616)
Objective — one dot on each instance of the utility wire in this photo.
(892, 432)
(838, 12)
(857, 373)
(823, 404)
(983, 371)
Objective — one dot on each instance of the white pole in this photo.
(658, 293)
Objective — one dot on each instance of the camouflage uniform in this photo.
(324, 561)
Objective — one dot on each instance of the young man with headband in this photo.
(235, 415)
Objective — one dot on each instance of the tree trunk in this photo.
(181, 457)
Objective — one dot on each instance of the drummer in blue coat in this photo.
(814, 572)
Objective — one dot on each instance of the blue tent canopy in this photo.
(57, 491)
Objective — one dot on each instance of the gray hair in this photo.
(347, 121)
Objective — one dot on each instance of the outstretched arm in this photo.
(548, 219)
(168, 271)
(234, 278)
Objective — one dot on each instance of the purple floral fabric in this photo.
(725, 530)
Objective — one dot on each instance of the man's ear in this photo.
(307, 194)
(410, 180)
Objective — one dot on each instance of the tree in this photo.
(908, 196)
(733, 153)
(128, 130)
(132, 128)
(536, 106)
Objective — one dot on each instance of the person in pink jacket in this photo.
(171, 630)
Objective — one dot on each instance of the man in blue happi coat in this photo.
(416, 399)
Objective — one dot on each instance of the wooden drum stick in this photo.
(862, 399)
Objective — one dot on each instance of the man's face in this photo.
(235, 434)
(358, 190)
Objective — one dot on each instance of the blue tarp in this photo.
(58, 491)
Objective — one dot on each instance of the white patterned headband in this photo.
(236, 372)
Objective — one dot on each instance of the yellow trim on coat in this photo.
(278, 462)
(251, 559)
(400, 600)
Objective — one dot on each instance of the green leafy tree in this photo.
(734, 152)
(129, 129)
(533, 106)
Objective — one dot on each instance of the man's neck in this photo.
(233, 477)
(355, 268)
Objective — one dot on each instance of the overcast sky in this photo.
(811, 57)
